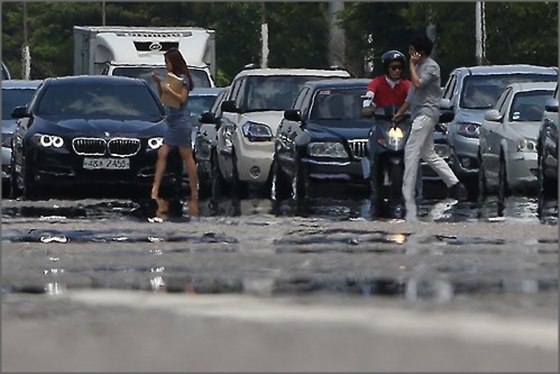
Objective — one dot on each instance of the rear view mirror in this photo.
(493, 115)
(446, 116)
(445, 104)
(292, 115)
(551, 105)
(207, 117)
(20, 112)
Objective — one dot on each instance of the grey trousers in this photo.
(420, 144)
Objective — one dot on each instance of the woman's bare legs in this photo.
(161, 164)
(187, 155)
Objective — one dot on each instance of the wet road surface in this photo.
(109, 263)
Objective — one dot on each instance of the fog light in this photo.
(255, 171)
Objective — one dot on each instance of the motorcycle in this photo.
(384, 164)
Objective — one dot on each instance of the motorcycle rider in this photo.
(390, 88)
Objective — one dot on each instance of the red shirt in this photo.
(385, 95)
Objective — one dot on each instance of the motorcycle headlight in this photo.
(256, 132)
(7, 140)
(527, 145)
(155, 143)
(327, 149)
(47, 141)
(470, 130)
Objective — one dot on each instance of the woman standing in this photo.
(179, 127)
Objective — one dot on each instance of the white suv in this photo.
(251, 115)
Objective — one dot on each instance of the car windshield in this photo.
(12, 98)
(200, 78)
(337, 104)
(273, 92)
(99, 101)
(482, 91)
(529, 106)
(199, 104)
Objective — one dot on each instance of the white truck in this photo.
(138, 51)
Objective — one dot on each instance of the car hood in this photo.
(8, 126)
(94, 127)
(470, 116)
(357, 129)
(270, 118)
(529, 130)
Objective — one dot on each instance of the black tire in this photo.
(546, 186)
(239, 189)
(503, 188)
(396, 175)
(30, 189)
(482, 186)
(301, 189)
(280, 187)
(15, 190)
(220, 186)
(375, 198)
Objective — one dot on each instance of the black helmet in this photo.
(390, 56)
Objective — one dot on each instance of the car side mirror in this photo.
(229, 106)
(207, 117)
(493, 115)
(446, 116)
(20, 112)
(292, 115)
(445, 104)
(551, 105)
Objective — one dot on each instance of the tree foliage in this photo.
(517, 32)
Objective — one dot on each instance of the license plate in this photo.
(107, 163)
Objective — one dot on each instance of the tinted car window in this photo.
(273, 92)
(338, 104)
(482, 91)
(99, 101)
(529, 106)
(200, 78)
(13, 98)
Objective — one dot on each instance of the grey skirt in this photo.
(179, 132)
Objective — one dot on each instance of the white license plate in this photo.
(107, 163)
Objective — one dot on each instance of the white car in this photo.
(508, 139)
(251, 115)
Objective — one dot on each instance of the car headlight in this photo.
(527, 145)
(155, 143)
(327, 149)
(470, 130)
(47, 141)
(7, 140)
(256, 132)
(442, 150)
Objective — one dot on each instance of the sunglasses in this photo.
(395, 67)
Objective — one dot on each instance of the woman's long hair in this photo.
(179, 64)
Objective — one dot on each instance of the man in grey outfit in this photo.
(423, 101)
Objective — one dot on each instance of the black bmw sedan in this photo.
(89, 131)
(322, 138)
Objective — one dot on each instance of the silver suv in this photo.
(251, 115)
(470, 92)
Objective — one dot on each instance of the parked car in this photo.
(470, 92)
(5, 72)
(251, 115)
(201, 100)
(15, 93)
(321, 139)
(547, 150)
(205, 140)
(90, 131)
(508, 139)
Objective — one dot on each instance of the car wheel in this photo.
(15, 190)
(238, 187)
(280, 188)
(546, 186)
(30, 190)
(481, 182)
(503, 189)
(220, 186)
(300, 189)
